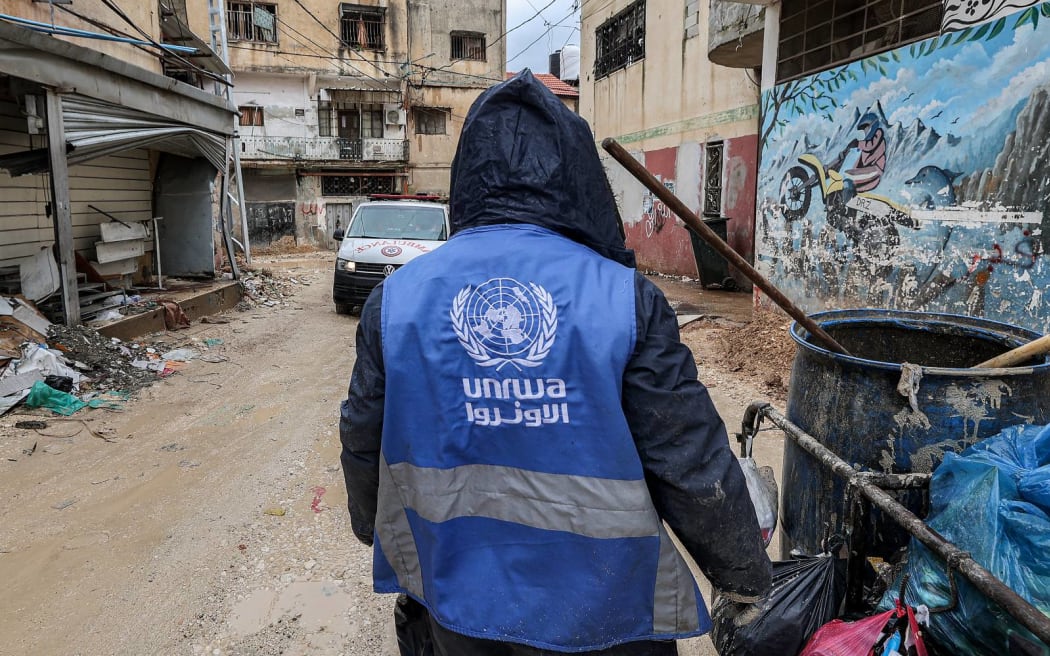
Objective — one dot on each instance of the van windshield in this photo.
(390, 222)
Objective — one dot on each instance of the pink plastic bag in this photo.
(871, 636)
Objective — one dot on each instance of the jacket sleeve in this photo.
(692, 474)
(361, 421)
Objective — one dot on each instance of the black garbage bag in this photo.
(807, 593)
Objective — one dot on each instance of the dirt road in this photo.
(214, 520)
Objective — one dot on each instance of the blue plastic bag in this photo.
(992, 500)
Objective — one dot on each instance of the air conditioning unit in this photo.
(393, 114)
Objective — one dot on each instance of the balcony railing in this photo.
(291, 149)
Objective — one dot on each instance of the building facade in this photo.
(94, 130)
(646, 80)
(904, 161)
(341, 100)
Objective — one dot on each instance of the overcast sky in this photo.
(556, 25)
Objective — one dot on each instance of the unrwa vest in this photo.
(512, 500)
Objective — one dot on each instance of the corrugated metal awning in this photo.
(95, 128)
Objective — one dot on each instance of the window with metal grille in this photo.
(363, 27)
(429, 120)
(357, 185)
(468, 45)
(815, 36)
(620, 41)
(251, 21)
(714, 152)
(251, 115)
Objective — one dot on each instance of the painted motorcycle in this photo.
(857, 214)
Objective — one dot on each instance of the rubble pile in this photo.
(262, 287)
(106, 363)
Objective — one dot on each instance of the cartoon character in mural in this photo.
(849, 204)
(868, 221)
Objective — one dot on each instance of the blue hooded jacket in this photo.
(524, 158)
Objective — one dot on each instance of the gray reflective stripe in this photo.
(395, 533)
(674, 603)
(586, 506)
(591, 507)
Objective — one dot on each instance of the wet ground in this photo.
(213, 521)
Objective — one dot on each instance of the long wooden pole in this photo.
(635, 168)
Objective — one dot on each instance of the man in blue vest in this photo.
(522, 418)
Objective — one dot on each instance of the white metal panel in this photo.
(119, 184)
(114, 231)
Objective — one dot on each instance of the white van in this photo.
(382, 236)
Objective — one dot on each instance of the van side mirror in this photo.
(338, 235)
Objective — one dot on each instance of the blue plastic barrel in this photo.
(859, 407)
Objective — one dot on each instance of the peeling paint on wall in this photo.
(916, 179)
(660, 240)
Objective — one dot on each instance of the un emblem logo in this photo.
(503, 321)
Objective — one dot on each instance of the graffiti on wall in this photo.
(268, 222)
(915, 179)
(654, 212)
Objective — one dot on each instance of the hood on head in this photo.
(524, 157)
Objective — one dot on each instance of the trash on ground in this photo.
(992, 500)
(315, 504)
(61, 383)
(49, 398)
(181, 355)
(275, 511)
(62, 505)
(806, 594)
(31, 425)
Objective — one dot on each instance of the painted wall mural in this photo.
(916, 179)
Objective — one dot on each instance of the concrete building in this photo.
(646, 80)
(342, 100)
(934, 114)
(92, 132)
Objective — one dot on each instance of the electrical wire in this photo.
(321, 51)
(339, 39)
(497, 40)
(523, 23)
(104, 26)
(339, 59)
(558, 24)
(120, 12)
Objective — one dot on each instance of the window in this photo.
(468, 45)
(251, 21)
(324, 118)
(430, 121)
(363, 27)
(620, 40)
(815, 36)
(714, 152)
(251, 115)
(357, 185)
